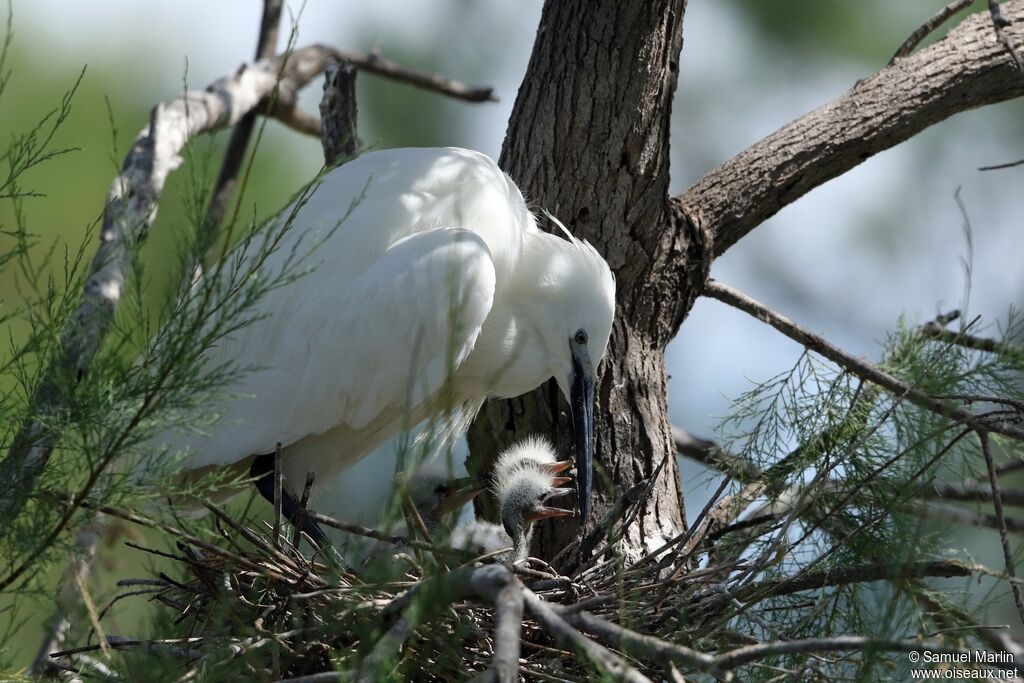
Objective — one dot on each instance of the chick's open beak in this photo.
(462, 491)
(544, 511)
(556, 468)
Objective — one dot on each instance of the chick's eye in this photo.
(441, 490)
(581, 336)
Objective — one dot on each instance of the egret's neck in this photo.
(509, 358)
(521, 544)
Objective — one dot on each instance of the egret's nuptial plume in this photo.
(432, 287)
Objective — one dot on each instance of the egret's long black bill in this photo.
(582, 399)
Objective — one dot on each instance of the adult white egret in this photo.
(437, 291)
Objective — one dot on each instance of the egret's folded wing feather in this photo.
(344, 355)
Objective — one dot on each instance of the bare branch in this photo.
(751, 653)
(709, 454)
(959, 515)
(266, 48)
(999, 22)
(508, 624)
(972, 490)
(374, 63)
(964, 70)
(848, 575)
(568, 637)
(997, 502)
(997, 167)
(860, 368)
(338, 114)
(936, 20)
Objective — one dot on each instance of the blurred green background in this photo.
(848, 259)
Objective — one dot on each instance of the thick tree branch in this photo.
(338, 113)
(966, 69)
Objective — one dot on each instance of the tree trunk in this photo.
(588, 141)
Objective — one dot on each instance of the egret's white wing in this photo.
(340, 351)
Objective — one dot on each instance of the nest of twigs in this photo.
(251, 605)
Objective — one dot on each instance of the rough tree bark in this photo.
(588, 140)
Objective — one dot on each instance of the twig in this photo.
(338, 114)
(849, 575)
(997, 503)
(508, 623)
(568, 637)
(970, 342)
(278, 496)
(76, 571)
(646, 646)
(351, 528)
(372, 62)
(751, 653)
(939, 18)
(90, 610)
(970, 490)
(999, 22)
(959, 515)
(303, 515)
(224, 188)
(863, 369)
(997, 167)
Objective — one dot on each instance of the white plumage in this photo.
(438, 272)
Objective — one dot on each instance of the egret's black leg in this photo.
(262, 471)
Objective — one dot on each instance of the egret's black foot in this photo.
(262, 470)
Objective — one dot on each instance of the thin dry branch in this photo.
(860, 368)
(999, 22)
(508, 625)
(936, 20)
(752, 653)
(565, 635)
(997, 504)
(224, 188)
(974, 491)
(862, 574)
(964, 70)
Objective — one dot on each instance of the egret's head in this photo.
(576, 299)
(524, 496)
